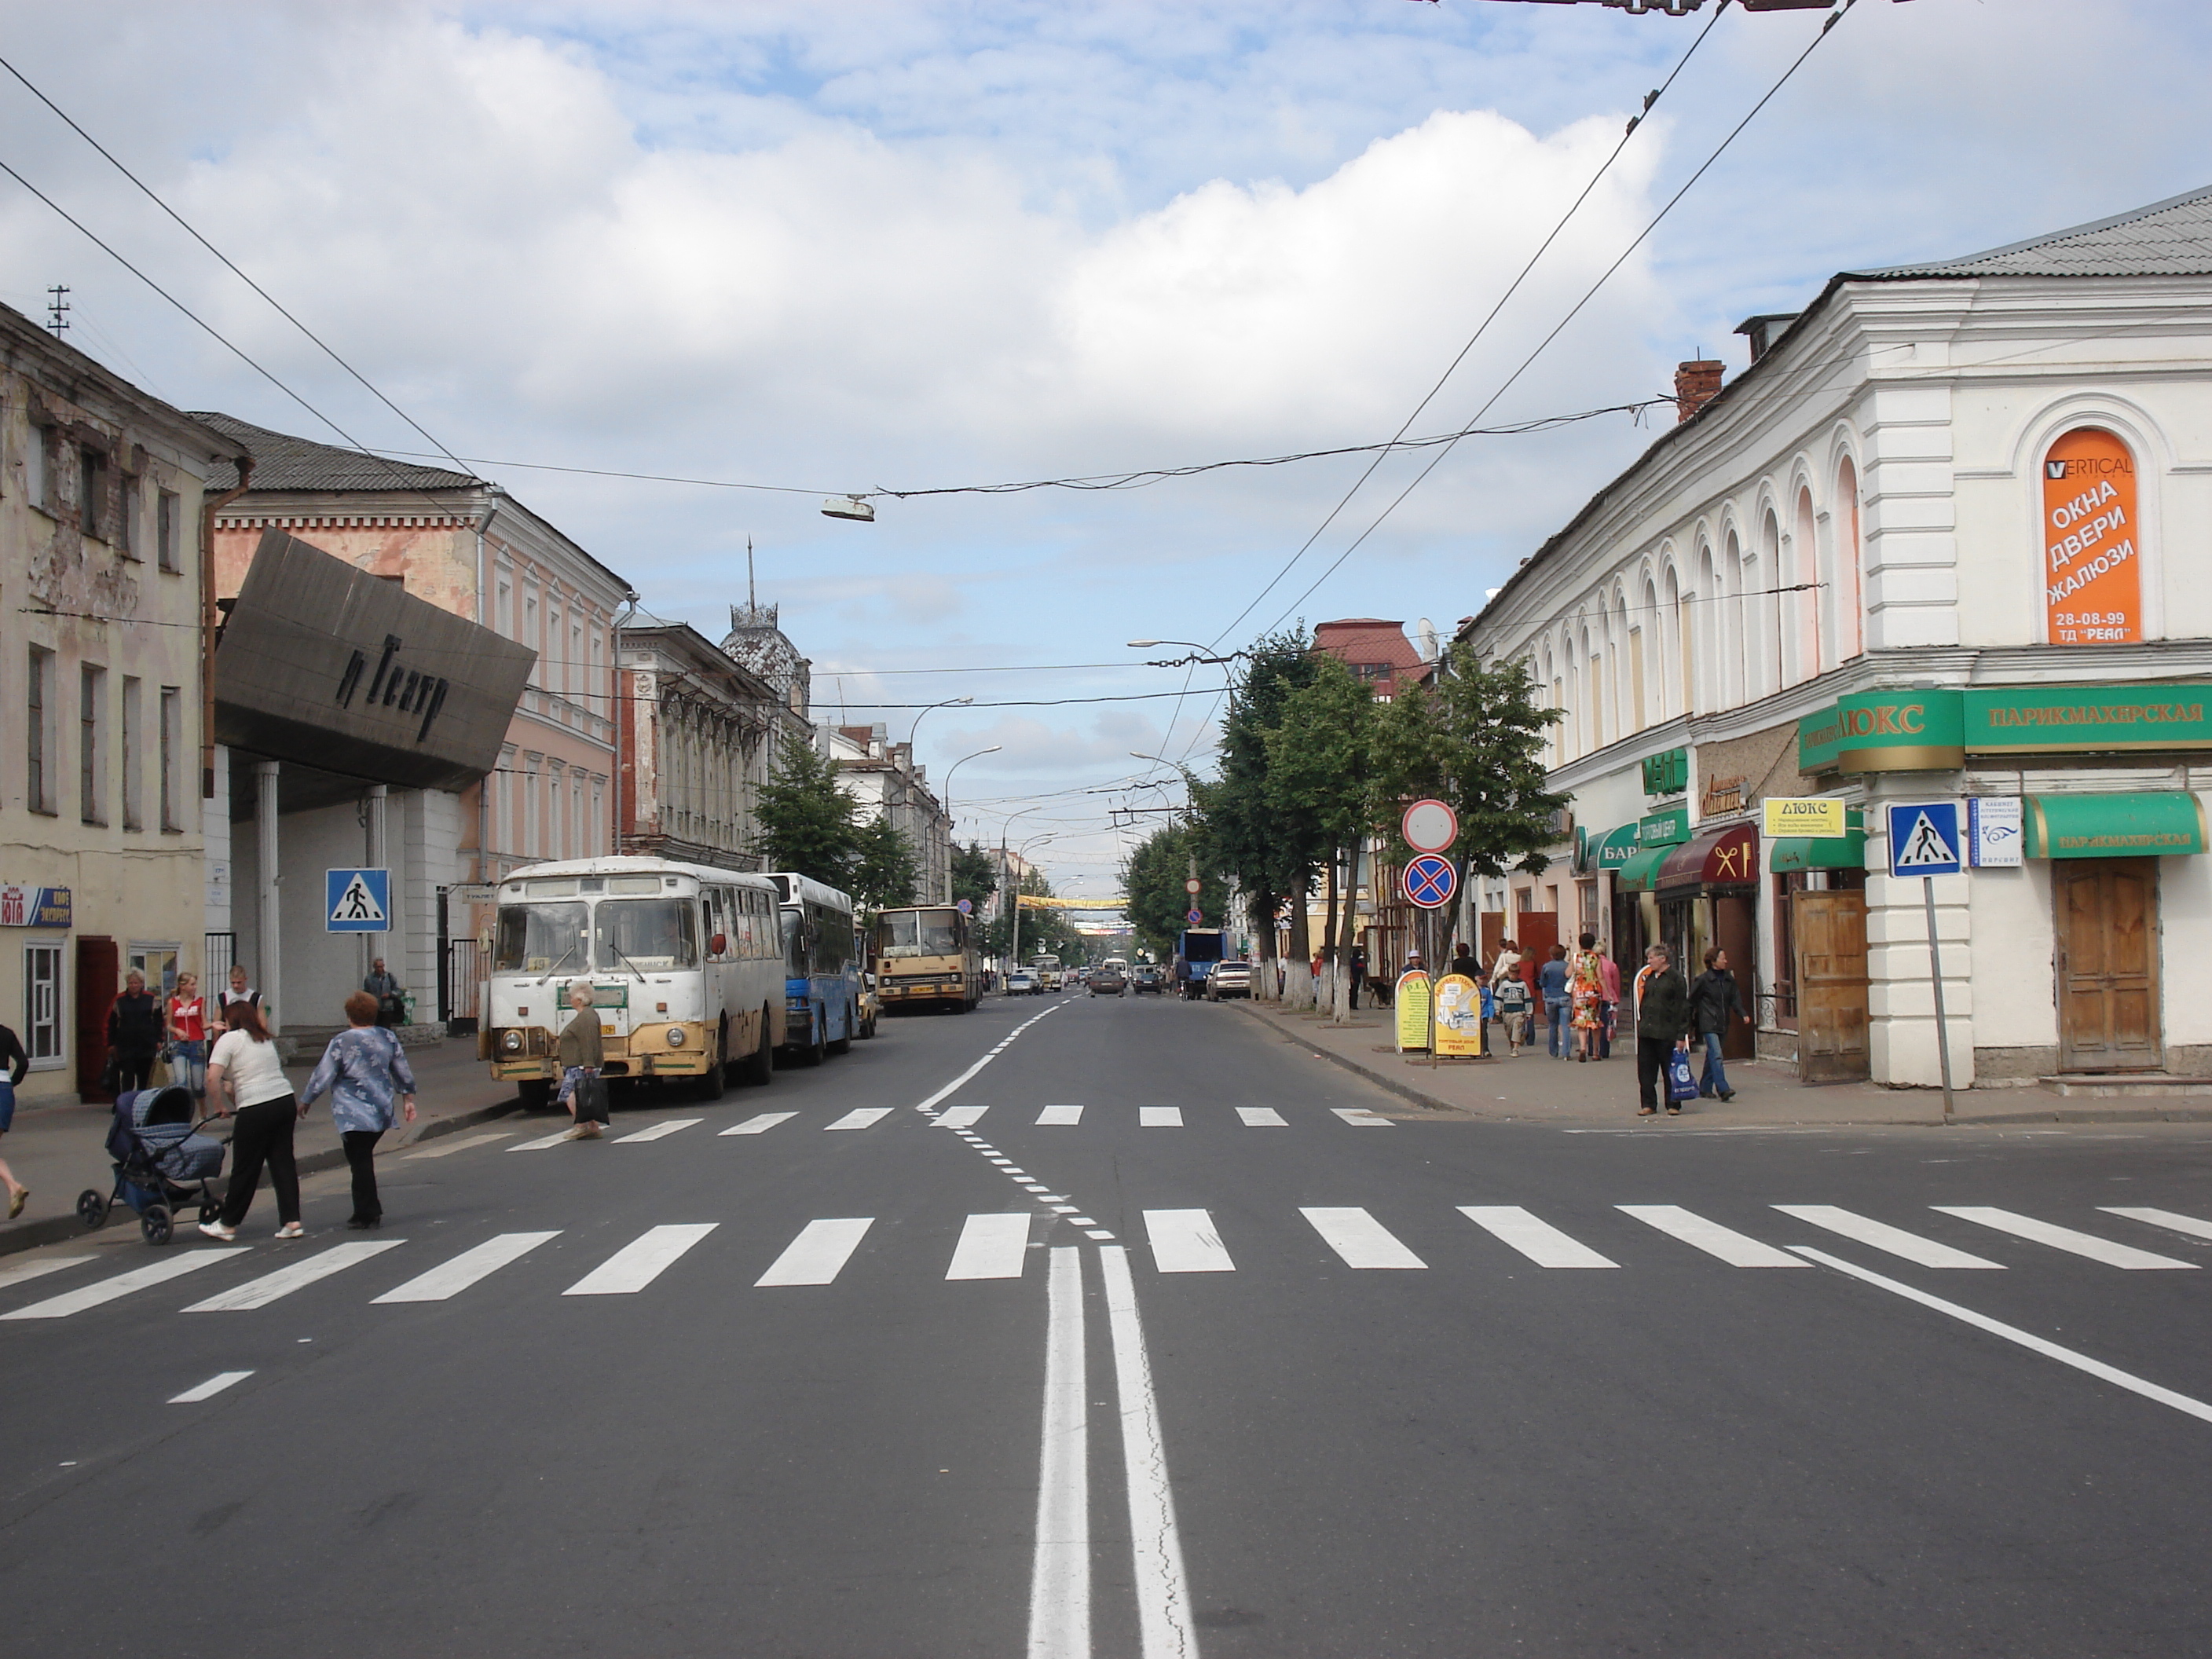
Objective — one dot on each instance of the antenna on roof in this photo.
(752, 598)
(58, 307)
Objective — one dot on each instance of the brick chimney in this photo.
(1696, 385)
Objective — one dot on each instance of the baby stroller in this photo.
(162, 1162)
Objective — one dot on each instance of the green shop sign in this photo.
(1617, 848)
(1664, 828)
(1667, 773)
(1935, 729)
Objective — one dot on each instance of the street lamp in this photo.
(955, 767)
(1205, 652)
(1014, 939)
(950, 702)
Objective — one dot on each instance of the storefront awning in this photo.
(1616, 849)
(2144, 825)
(1718, 858)
(1642, 870)
(1844, 851)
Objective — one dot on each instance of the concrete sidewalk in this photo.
(1537, 1087)
(60, 1151)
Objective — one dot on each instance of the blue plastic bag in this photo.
(1681, 1084)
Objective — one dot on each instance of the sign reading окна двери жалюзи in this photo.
(2092, 568)
(1936, 728)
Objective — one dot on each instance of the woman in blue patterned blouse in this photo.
(364, 1069)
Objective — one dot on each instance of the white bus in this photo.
(685, 963)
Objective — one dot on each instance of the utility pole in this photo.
(58, 307)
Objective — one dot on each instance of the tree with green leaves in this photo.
(1153, 879)
(808, 823)
(882, 869)
(974, 875)
(1320, 759)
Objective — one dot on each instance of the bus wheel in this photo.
(843, 1045)
(536, 1092)
(717, 1079)
(762, 1066)
(816, 1049)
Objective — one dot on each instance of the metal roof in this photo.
(281, 461)
(2172, 238)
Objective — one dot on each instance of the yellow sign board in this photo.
(1804, 815)
(1459, 1015)
(1412, 1005)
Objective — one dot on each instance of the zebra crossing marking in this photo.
(1535, 1238)
(293, 1276)
(1059, 1117)
(447, 1145)
(1261, 1117)
(861, 1118)
(1360, 1118)
(541, 1143)
(1159, 1117)
(450, 1279)
(642, 1260)
(961, 1117)
(1185, 1242)
(1737, 1249)
(22, 1272)
(2180, 1224)
(122, 1285)
(1882, 1236)
(660, 1131)
(1360, 1239)
(208, 1390)
(991, 1247)
(760, 1125)
(818, 1254)
(2063, 1238)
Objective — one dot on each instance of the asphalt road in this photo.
(1226, 1387)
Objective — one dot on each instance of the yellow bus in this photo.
(926, 956)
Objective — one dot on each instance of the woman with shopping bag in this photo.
(1662, 1033)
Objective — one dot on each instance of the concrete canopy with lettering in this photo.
(330, 667)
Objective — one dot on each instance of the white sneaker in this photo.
(291, 1230)
(215, 1229)
(575, 1133)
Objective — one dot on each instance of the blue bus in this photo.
(822, 984)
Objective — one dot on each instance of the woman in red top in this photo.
(187, 1024)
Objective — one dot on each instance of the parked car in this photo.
(871, 1006)
(1107, 982)
(1023, 983)
(1145, 978)
(1229, 979)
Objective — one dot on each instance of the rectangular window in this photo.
(503, 617)
(134, 749)
(42, 1005)
(91, 744)
(554, 676)
(126, 524)
(91, 491)
(173, 736)
(39, 733)
(169, 513)
(44, 464)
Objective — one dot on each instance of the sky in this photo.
(898, 245)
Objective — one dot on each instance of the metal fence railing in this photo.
(459, 989)
(217, 952)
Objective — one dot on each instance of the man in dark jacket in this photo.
(1663, 1025)
(1713, 1000)
(134, 1031)
(1356, 974)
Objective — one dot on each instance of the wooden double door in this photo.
(2105, 912)
(1829, 933)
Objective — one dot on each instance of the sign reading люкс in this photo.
(1804, 815)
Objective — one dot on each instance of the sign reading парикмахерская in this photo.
(1935, 728)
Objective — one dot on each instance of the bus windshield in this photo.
(540, 939)
(919, 933)
(645, 934)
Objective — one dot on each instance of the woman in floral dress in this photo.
(1586, 981)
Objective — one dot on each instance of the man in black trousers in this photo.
(1663, 1025)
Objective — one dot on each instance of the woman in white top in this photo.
(245, 1077)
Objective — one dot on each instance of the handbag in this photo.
(591, 1100)
(1681, 1084)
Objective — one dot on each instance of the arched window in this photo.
(1711, 682)
(1851, 566)
(1802, 655)
(1675, 664)
(1763, 622)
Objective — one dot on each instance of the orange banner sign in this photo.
(2092, 558)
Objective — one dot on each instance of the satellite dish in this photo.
(1427, 632)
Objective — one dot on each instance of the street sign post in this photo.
(1430, 882)
(1194, 915)
(1191, 886)
(1924, 841)
(966, 907)
(357, 901)
(1429, 826)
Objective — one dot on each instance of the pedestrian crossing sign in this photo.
(357, 901)
(1924, 840)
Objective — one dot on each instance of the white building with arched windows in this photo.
(1948, 539)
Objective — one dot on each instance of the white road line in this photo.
(819, 1253)
(208, 1390)
(542, 1142)
(1360, 1239)
(968, 1076)
(2062, 1238)
(2180, 1224)
(1260, 1117)
(449, 1279)
(1159, 1117)
(1737, 1249)
(2097, 1368)
(1535, 1238)
(959, 1117)
(761, 1125)
(991, 1247)
(1360, 1118)
(863, 1118)
(19, 1273)
(642, 1260)
(1059, 1117)
(107, 1289)
(449, 1144)
(1156, 1545)
(1060, 1576)
(1883, 1236)
(294, 1276)
(1184, 1242)
(657, 1131)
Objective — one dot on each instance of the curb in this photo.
(61, 1228)
(1397, 1086)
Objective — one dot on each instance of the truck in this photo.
(1202, 947)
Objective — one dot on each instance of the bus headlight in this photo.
(675, 1036)
(512, 1041)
